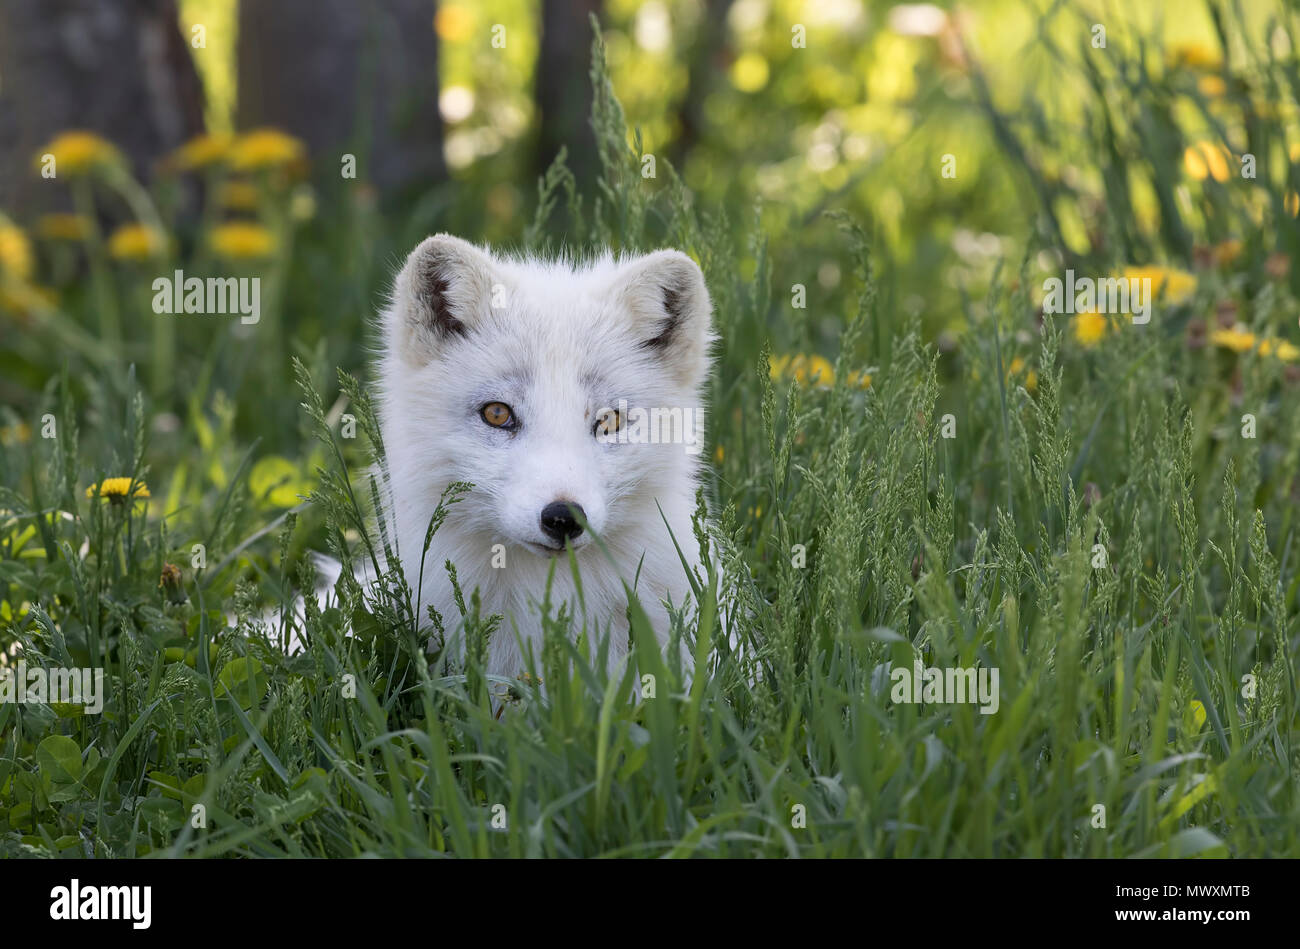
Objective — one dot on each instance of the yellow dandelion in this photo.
(135, 242)
(1089, 328)
(1212, 87)
(200, 152)
(77, 152)
(1238, 339)
(1279, 349)
(239, 196)
(1207, 160)
(118, 490)
(265, 148)
(1292, 203)
(1193, 56)
(804, 369)
(859, 380)
(241, 240)
(63, 227)
(15, 252)
(1176, 285)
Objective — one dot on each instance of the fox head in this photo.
(569, 395)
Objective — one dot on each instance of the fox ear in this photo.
(665, 294)
(441, 293)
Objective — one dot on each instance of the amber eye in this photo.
(498, 415)
(608, 423)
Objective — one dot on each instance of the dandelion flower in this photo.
(1089, 328)
(1212, 87)
(15, 252)
(804, 369)
(1238, 339)
(1193, 56)
(200, 152)
(1207, 160)
(1279, 349)
(241, 240)
(77, 152)
(135, 242)
(63, 227)
(118, 490)
(1176, 285)
(265, 148)
(859, 380)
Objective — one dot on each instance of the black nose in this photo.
(560, 520)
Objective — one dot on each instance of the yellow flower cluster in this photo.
(812, 370)
(1208, 160)
(1239, 339)
(201, 151)
(251, 151)
(1173, 286)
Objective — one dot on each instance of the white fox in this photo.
(570, 396)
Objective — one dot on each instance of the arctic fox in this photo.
(571, 396)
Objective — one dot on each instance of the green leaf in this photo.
(244, 680)
(59, 758)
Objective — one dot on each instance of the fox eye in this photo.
(498, 415)
(608, 423)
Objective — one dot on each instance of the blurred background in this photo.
(313, 142)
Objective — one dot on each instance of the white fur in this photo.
(565, 340)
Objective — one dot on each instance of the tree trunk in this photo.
(120, 69)
(347, 77)
(705, 61)
(562, 90)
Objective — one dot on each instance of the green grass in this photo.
(1102, 534)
